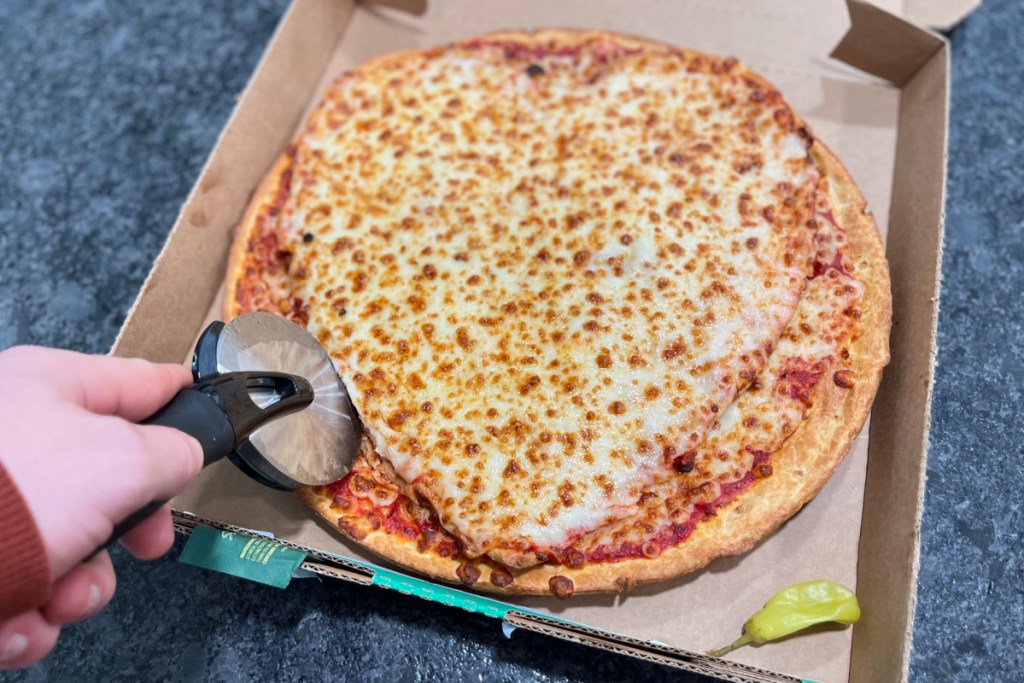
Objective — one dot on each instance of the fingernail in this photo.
(13, 648)
(94, 599)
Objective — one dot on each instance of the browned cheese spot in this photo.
(843, 379)
(561, 587)
(468, 573)
(501, 577)
(574, 559)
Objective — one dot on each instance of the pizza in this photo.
(607, 308)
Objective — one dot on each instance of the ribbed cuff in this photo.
(24, 571)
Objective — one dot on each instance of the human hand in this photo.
(71, 445)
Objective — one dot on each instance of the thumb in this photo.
(171, 460)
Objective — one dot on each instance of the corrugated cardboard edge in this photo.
(646, 650)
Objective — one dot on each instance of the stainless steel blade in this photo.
(316, 445)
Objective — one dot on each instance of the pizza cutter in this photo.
(268, 398)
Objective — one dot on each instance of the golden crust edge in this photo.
(262, 198)
(795, 480)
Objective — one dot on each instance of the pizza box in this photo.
(873, 86)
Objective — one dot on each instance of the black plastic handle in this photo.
(197, 414)
(220, 414)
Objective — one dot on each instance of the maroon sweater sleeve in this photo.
(24, 571)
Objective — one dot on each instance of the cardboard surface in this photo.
(889, 557)
(882, 45)
(879, 132)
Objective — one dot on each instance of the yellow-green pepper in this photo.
(796, 608)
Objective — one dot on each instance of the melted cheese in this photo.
(540, 284)
(761, 419)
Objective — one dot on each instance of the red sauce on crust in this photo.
(836, 264)
(398, 522)
(264, 259)
(800, 377)
(395, 518)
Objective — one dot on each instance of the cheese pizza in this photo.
(606, 307)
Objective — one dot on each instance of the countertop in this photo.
(108, 110)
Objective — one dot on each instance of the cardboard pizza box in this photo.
(873, 86)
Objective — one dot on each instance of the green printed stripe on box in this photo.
(409, 585)
(437, 593)
(257, 559)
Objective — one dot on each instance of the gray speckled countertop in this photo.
(107, 111)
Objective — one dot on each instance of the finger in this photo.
(117, 468)
(82, 592)
(131, 388)
(153, 537)
(26, 639)
(169, 459)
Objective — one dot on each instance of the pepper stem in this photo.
(740, 642)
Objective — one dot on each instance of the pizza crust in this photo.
(259, 205)
(800, 468)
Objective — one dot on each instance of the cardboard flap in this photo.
(884, 45)
(938, 14)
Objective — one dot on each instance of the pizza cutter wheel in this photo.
(268, 398)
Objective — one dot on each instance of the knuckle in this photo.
(129, 436)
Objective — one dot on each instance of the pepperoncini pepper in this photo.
(795, 608)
